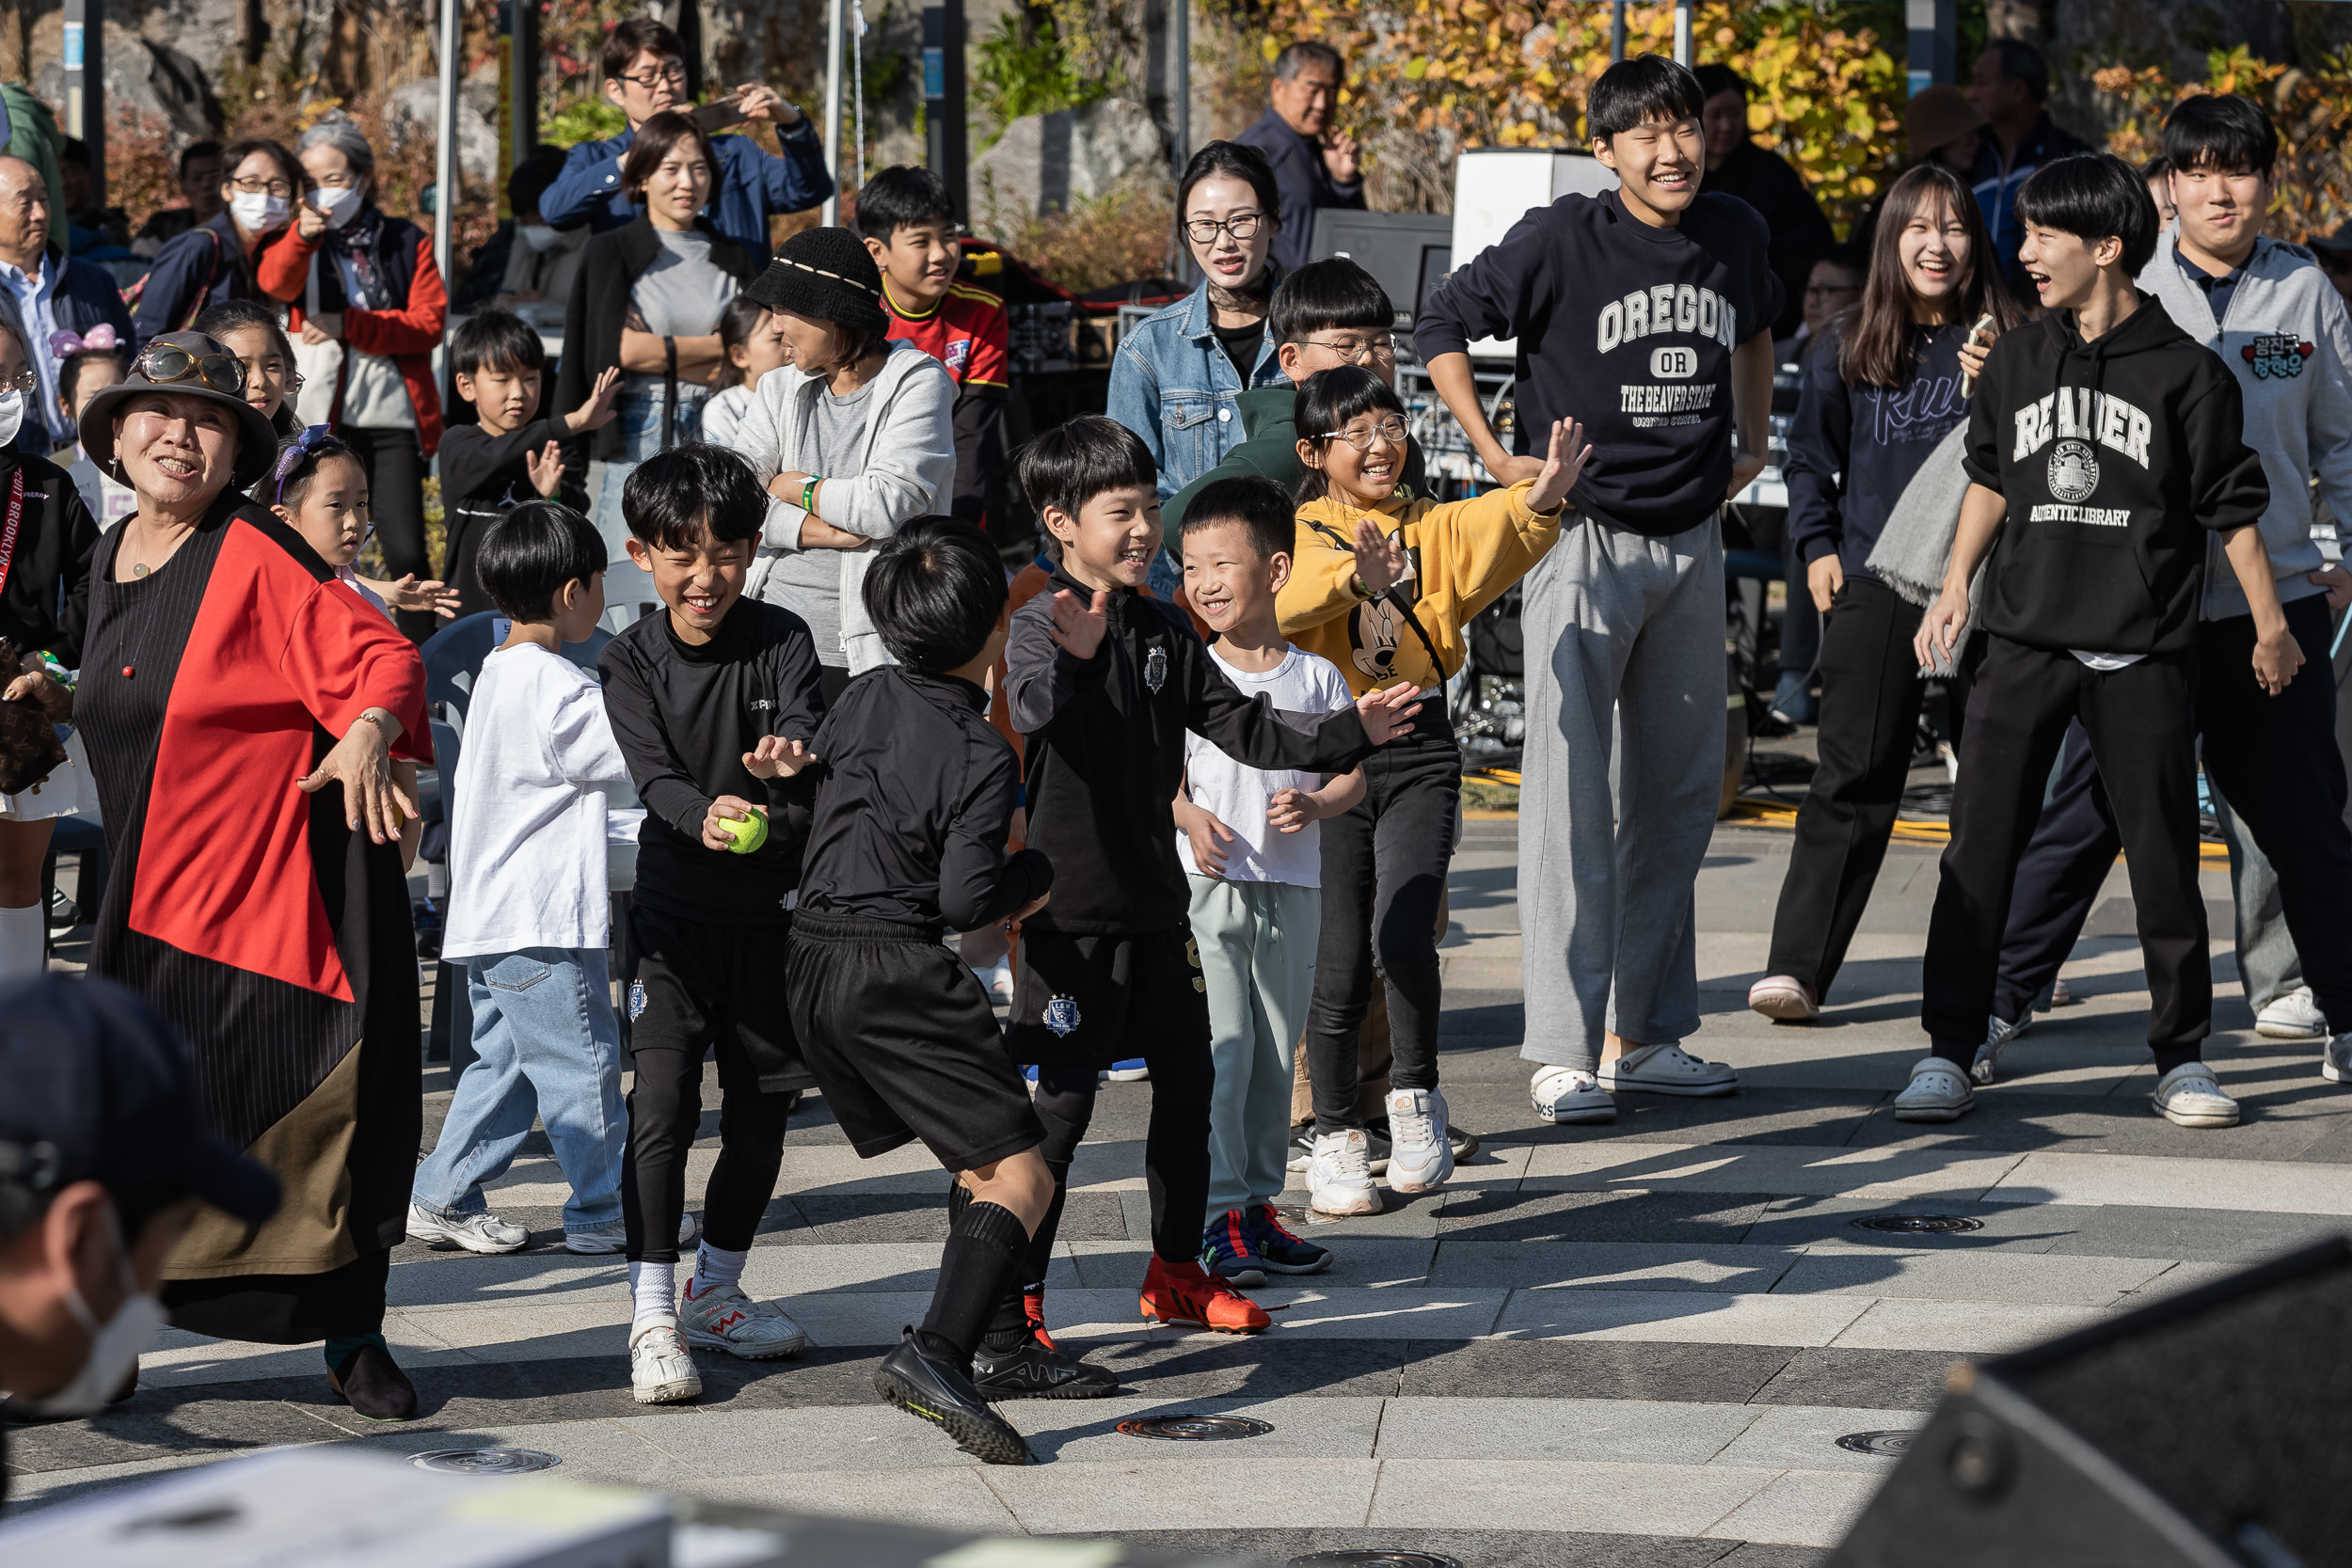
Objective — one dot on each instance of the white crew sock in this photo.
(654, 1287)
(716, 1266)
(23, 944)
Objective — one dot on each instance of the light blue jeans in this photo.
(638, 416)
(544, 1043)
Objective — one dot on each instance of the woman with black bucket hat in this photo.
(852, 438)
(226, 685)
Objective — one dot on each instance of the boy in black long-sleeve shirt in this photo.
(1103, 681)
(713, 703)
(915, 796)
(497, 364)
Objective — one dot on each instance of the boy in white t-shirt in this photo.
(1248, 838)
(530, 911)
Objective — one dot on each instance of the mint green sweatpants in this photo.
(1257, 943)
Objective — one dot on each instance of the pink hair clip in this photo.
(64, 344)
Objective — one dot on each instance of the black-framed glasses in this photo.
(674, 74)
(165, 363)
(1242, 226)
(263, 187)
(1390, 429)
(1357, 351)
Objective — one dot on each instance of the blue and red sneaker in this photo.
(1229, 1247)
(1277, 1249)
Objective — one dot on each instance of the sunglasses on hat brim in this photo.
(164, 364)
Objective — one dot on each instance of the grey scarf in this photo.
(1915, 544)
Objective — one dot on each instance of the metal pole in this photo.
(1616, 30)
(1933, 27)
(1180, 66)
(85, 88)
(445, 155)
(525, 58)
(945, 138)
(1682, 32)
(831, 132)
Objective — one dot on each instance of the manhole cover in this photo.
(1196, 1428)
(484, 1462)
(1883, 1445)
(1381, 1557)
(1919, 1225)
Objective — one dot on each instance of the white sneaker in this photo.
(1997, 1036)
(474, 1232)
(1339, 1175)
(724, 1318)
(661, 1370)
(1784, 999)
(1938, 1092)
(2335, 1059)
(2294, 1016)
(1570, 1094)
(1668, 1069)
(613, 1237)
(690, 1230)
(2060, 995)
(1419, 1159)
(2188, 1097)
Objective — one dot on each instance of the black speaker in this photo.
(2212, 1430)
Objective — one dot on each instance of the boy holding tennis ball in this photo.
(713, 701)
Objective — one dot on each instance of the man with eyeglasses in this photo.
(644, 73)
(1314, 164)
(49, 291)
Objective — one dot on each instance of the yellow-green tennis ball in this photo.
(749, 833)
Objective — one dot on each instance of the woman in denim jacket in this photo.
(1177, 373)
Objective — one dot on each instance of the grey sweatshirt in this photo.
(2289, 341)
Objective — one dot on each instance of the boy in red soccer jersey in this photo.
(909, 222)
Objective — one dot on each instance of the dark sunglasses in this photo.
(165, 363)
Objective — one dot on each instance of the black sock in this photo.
(981, 1261)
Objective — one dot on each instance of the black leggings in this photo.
(664, 1114)
(1175, 1149)
(395, 466)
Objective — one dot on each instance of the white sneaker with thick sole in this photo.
(2335, 1060)
(1997, 1036)
(1938, 1092)
(660, 1368)
(486, 1233)
(1784, 999)
(2188, 1097)
(1419, 1159)
(2294, 1016)
(724, 1318)
(1571, 1095)
(614, 1237)
(1339, 1175)
(1668, 1069)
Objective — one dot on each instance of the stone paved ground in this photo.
(1622, 1346)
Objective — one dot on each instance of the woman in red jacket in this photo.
(368, 308)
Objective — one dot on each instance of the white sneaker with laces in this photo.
(1667, 1069)
(1419, 1159)
(1997, 1036)
(1570, 1094)
(2188, 1097)
(1339, 1175)
(2335, 1059)
(661, 1370)
(724, 1318)
(485, 1233)
(1938, 1092)
(2294, 1016)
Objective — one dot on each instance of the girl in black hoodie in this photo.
(1881, 391)
(2104, 446)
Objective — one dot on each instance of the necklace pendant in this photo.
(138, 568)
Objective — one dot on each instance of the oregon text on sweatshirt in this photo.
(1628, 328)
(2116, 456)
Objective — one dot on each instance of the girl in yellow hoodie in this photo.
(1382, 584)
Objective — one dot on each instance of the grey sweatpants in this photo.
(1615, 620)
(2268, 965)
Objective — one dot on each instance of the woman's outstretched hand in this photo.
(362, 764)
(1564, 465)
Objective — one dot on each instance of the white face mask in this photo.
(11, 415)
(538, 236)
(114, 1345)
(259, 211)
(339, 204)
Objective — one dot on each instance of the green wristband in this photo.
(808, 493)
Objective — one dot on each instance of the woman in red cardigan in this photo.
(368, 312)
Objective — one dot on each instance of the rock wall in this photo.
(1047, 164)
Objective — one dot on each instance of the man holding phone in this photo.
(644, 73)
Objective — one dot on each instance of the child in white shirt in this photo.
(1248, 838)
(753, 340)
(529, 903)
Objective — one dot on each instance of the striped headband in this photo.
(834, 275)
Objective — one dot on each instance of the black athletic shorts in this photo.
(1092, 1001)
(716, 986)
(904, 1044)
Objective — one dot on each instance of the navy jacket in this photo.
(200, 269)
(752, 185)
(1853, 450)
(1302, 181)
(86, 295)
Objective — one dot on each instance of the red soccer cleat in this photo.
(1033, 1307)
(1188, 1293)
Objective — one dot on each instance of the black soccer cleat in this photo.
(945, 1397)
(1034, 1370)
